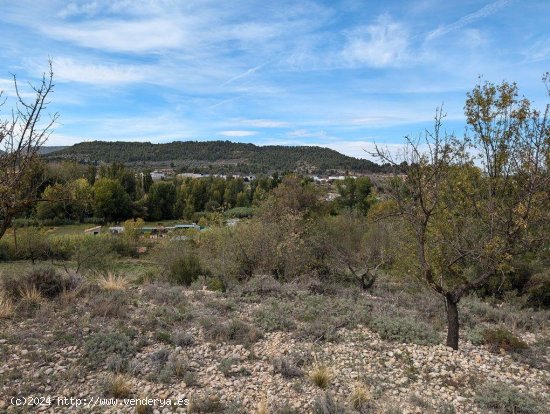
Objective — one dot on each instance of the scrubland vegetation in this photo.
(325, 299)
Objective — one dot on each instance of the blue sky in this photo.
(341, 74)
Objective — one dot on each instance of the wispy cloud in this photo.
(381, 44)
(151, 35)
(264, 123)
(305, 133)
(244, 74)
(69, 70)
(538, 51)
(238, 133)
(363, 148)
(485, 11)
(297, 72)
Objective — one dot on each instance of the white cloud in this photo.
(305, 133)
(238, 133)
(359, 149)
(538, 51)
(147, 35)
(381, 44)
(264, 123)
(6, 86)
(366, 149)
(485, 11)
(69, 70)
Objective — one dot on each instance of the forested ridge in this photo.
(216, 155)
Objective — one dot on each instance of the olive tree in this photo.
(22, 133)
(474, 203)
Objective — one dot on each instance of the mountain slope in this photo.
(216, 155)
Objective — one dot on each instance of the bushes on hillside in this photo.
(538, 291)
(500, 338)
(185, 269)
(404, 330)
(48, 282)
(506, 399)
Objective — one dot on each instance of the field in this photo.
(125, 330)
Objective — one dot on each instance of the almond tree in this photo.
(475, 203)
(22, 134)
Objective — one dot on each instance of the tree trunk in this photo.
(452, 323)
(367, 280)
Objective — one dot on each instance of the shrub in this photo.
(227, 368)
(262, 285)
(190, 379)
(89, 252)
(320, 376)
(185, 269)
(4, 252)
(327, 404)
(47, 282)
(475, 336)
(99, 347)
(538, 291)
(143, 408)
(501, 338)
(123, 247)
(177, 366)
(112, 304)
(324, 315)
(405, 330)
(234, 331)
(286, 368)
(163, 336)
(117, 364)
(283, 408)
(208, 403)
(183, 339)
(239, 212)
(505, 399)
(274, 316)
(215, 284)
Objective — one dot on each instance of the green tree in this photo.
(57, 204)
(475, 203)
(161, 200)
(66, 201)
(110, 200)
(243, 199)
(355, 193)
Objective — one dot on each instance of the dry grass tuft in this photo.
(113, 282)
(30, 295)
(263, 407)
(360, 399)
(118, 386)
(320, 376)
(143, 408)
(6, 307)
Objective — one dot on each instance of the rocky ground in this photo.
(222, 353)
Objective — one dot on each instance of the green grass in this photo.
(133, 268)
(17, 267)
(71, 229)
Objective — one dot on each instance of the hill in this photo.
(49, 149)
(216, 156)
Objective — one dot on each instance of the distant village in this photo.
(166, 174)
(153, 232)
